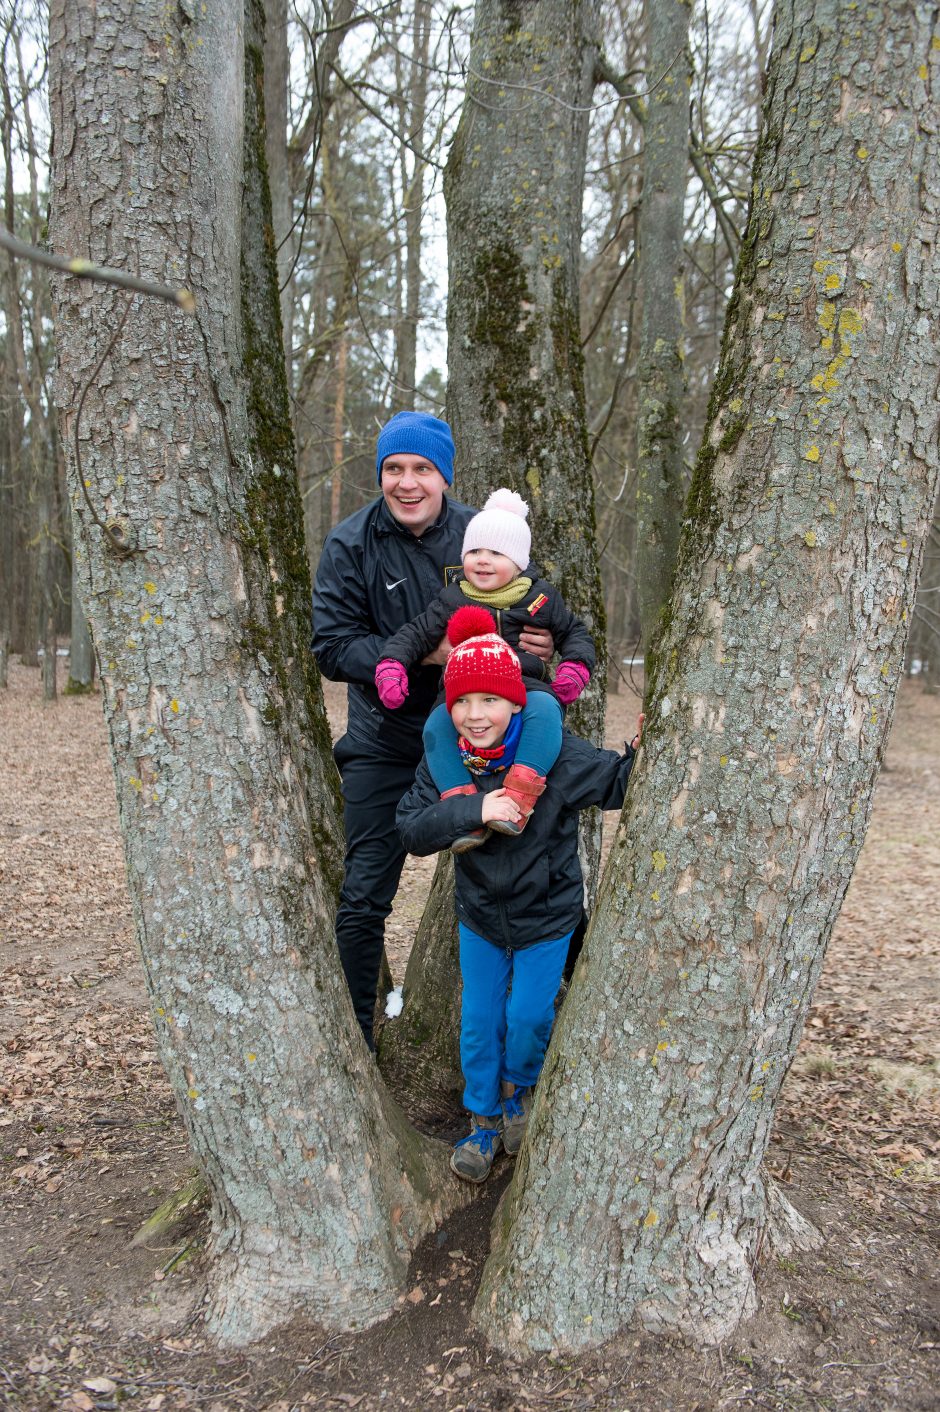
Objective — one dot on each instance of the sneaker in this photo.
(515, 1107)
(525, 786)
(466, 841)
(473, 1155)
(475, 837)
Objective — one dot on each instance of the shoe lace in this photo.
(513, 1106)
(484, 1136)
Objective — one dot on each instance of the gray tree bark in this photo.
(406, 340)
(638, 1195)
(226, 790)
(515, 396)
(276, 81)
(81, 650)
(660, 377)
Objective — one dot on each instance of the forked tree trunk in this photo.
(226, 790)
(638, 1195)
(515, 395)
(661, 374)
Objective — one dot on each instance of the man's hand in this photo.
(538, 642)
(635, 742)
(498, 805)
(439, 656)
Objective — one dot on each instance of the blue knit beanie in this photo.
(417, 434)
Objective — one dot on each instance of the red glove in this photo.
(570, 680)
(391, 679)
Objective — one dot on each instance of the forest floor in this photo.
(90, 1143)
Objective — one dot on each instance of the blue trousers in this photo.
(539, 743)
(507, 1014)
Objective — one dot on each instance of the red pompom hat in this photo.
(481, 660)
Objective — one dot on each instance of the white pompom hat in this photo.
(501, 526)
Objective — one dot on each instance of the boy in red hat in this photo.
(517, 905)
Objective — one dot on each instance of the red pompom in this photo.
(469, 622)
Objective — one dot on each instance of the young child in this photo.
(516, 907)
(495, 554)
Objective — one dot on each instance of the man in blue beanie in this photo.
(380, 568)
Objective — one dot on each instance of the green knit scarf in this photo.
(504, 597)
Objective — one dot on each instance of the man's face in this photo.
(414, 491)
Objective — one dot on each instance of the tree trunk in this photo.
(227, 794)
(515, 395)
(661, 377)
(417, 92)
(419, 1052)
(276, 81)
(81, 650)
(638, 1195)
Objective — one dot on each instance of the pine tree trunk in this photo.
(638, 1195)
(661, 376)
(227, 794)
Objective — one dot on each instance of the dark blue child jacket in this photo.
(517, 891)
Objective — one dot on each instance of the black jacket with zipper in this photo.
(542, 607)
(518, 891)
(374, 576)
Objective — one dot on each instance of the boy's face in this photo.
(483, 719)
(485, 568)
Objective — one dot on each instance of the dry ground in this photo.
(90, 1142)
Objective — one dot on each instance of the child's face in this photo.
(485, 568)
(483, 719)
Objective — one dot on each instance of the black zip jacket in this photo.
(542, 607)
(373, 577)
(517, 891)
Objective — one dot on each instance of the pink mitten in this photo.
(570, 680)
(391, 680)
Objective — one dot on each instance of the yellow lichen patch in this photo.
(810, 539)
(663, 1024)
(808, 53)
(812, 454)
(252, 1058)
(832, 281)
(175, 706)
(655, 896)
(723, 760)
(145, 617)
(659, 860)
(194, 1093)
(663, 1044)
(651, 1219)
(158, 620)
(757, 1092)
(862, 153)
(150, 587)
(765, 1066)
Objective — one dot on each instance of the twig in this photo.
(84, 269)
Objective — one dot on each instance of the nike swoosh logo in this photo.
(390, 586)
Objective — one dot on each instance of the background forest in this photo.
(362, 103)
